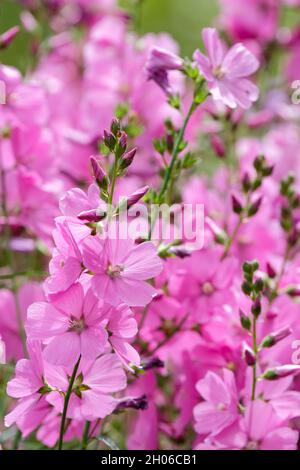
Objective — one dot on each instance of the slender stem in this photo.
(169, 171)
(175, 152)
(236, 229)
(85, 436)
(113, 182)
(66, 404)
(254, 378)
(232, 237)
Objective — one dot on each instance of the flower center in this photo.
(252, 445)
(114, 271)
(207, 288)
(77, 326)
(218, 72)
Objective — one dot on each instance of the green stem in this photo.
(85, 437)
(113, 182)
(176, 151)
(66, 404)
(169, 171)
(236, 229)
(254, 378)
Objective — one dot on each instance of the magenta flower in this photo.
(93, 389)
(220, 408)
(159, 63)
(28, 386)
(226, 71)
(70, 325)
(120, 270)
(122, 328)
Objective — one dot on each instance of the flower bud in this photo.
(181, 251)
(281, 371)
(109, 140)
(153, 363)
(99, 174)
(254, 207)
(270, 271)
(219, 234)
(249, 355)
(293, 291)
(7, 37)
(246, 183)
(127, 159)
(245, 320)
(218, 145)
(121, 144)
(236, 204)
(275, 337)
(139, 403)
(93, 215)
(256, 307)
(136, 196)
(115, 126)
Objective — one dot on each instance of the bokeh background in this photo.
(184, 19)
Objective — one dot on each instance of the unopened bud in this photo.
(248, 355)
(270, 271)
(236, 204)
(219, 234)
(181, 251)
(109, 140)
(281, 371)
(275, 337)
(7, 37)
(122, 144)
(245, 320)
(218, 145)
(254, 207)
(256, 307)
(99, 174)
(137, 196)
(139, 403)
(154, 363)
(246, 183)
(115, 126)
(127, 159)
(93, 215)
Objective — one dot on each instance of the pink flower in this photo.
(93, 389)
(72, 323)
(121, 268)
(122, 328)
(159, 62)
(220, 408)
(259, 429)
(226, 71)
(28, 386)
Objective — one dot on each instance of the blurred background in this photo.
(184, 19)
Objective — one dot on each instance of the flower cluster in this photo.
(199, 346)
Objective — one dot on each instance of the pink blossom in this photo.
(220, 408)
(72, 324)
(226, 71)
(120, 270)
(96, 382)
(28, 386)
